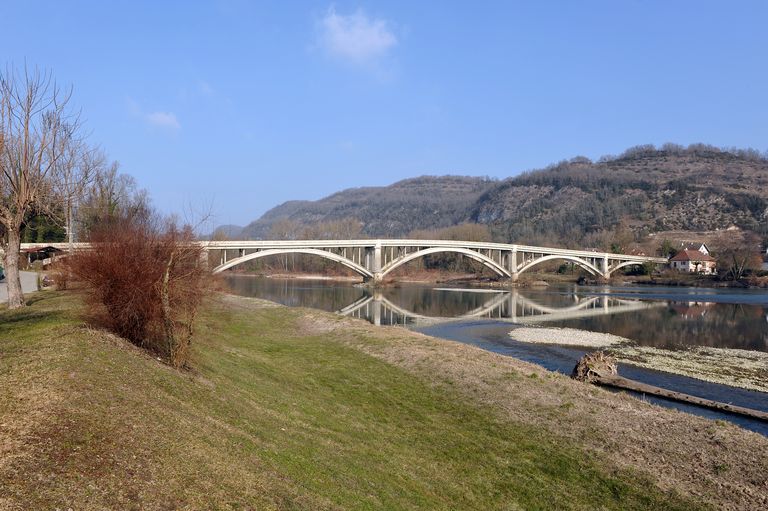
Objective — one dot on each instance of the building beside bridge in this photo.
(694, 261)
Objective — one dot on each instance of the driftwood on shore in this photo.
(601, 369)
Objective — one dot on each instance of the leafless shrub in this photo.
(59, 275)
(146, 280)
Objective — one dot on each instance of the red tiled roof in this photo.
(692, 255)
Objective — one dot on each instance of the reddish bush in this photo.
(146, 281)
(57, 276)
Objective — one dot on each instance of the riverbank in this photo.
(745, 369)
(298, 276)
(526, 279)
(300, 409)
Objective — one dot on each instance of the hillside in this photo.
(298, 409)
(644, 190)
(576, 202)
(420, 203)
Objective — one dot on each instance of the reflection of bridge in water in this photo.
(507, 306)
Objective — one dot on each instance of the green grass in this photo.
(268, 419)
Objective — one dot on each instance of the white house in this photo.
(694, 261)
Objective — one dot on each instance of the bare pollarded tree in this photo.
(35, 127)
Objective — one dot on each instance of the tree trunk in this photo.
(165, 300)
(15, 295)
(70, 227)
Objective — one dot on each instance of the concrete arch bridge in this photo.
(374, 259)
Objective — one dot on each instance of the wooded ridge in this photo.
(574, 202)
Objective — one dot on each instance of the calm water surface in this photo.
(665, 317)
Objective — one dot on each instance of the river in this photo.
(662, 317)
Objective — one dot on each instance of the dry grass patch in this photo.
(291, 409)
(716, 461)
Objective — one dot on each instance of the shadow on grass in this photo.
(41, 311)
(23, 321)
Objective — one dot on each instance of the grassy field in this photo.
(274, 415)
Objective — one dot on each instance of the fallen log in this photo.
(601, 369)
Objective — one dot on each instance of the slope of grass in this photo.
(271, 417)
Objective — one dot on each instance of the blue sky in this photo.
(237, 106)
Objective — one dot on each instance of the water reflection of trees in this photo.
(424, 301)
(682, 324)
(329, 296)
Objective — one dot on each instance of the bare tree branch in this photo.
(40, 150)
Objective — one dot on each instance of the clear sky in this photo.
(237, 106)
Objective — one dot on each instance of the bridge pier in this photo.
(373, 263)
(373, 281)
(512, 264)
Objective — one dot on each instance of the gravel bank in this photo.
(739, 368)
(566, 336)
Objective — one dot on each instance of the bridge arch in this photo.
(477, 256)
(581, 262)
(309, 251)
(624, 264)
(544, 309)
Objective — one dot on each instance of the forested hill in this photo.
(387, 211)
(573, 202)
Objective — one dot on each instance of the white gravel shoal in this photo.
(566, 336)
(739, 368)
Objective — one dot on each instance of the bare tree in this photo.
(76, 166)
(737, 257)
(32, 117)
(110, 195)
